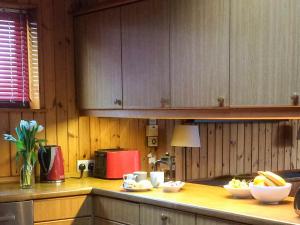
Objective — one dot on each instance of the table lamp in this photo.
(186, 136)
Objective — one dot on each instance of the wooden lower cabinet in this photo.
(75, 210)
(76, 221)
(152, 215)
(116, 210)
(99, 221)
(202, 220)
(99, 210)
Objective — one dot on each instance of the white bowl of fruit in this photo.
(238, 188)
(269, 188)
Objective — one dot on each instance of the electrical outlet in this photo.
(86, 163)
(152, 141)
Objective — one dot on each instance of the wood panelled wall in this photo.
(58, 114)
(235, 148)
(227, 148)
(243, 148)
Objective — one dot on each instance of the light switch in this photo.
(152, 130)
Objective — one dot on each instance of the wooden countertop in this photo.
(195, 198)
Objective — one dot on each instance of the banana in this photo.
(278, 180)
(274, 178)
(269, 182)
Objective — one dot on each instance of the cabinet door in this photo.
(98, 60)
(152, 215)
(199, 52)
(145, 54)
(201, 220)
(264, 53)
(116, 210)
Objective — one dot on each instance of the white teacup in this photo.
(140, 175)
(129, 184)
(129, 176)
(157, 178)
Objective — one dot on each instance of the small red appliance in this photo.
(51, 164)
(112, 164)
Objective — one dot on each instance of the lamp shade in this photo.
(186, 136)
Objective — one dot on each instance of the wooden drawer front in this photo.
(201, 220)
(116, 210)
(77, 221)
(152, 215)
(99, 221)
(62, 208)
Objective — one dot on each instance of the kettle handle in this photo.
(42, 162)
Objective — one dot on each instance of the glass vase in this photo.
(26, 176)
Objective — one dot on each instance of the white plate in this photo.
(238, 192)
(168, 188)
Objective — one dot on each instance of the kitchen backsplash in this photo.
(236, 148)
(239, 148)
(227, 148)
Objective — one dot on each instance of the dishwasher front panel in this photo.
(16, 213)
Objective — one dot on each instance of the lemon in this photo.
(259, 180)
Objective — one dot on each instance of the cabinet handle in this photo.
(165, 102)
(7, 218)
(221, 101)
(295, 99)
(163, 217)
(118, 102)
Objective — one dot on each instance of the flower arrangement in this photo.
(27, 145)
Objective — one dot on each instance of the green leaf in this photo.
(33, 158)
(19, 133)
(20, 145)
(41, 140)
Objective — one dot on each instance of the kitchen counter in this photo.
(195, 198)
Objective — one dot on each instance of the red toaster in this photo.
(112, 164)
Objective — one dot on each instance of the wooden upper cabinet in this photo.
(145, 54)
(199, 52)
(264, 52)
(98, 60)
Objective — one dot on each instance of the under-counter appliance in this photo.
(113, 164)
(16, 213)
(52, 164)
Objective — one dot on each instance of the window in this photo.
(19, 83)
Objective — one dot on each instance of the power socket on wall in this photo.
(86, 163)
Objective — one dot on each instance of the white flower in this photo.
(24, 124)
(9, 137)
(40, 128)
(32, 124)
